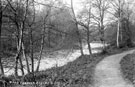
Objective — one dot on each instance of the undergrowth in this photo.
(128, 67)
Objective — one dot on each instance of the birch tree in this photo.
(118, 13)
(19, 12)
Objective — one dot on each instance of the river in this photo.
(59, 59)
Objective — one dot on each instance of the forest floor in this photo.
(108, 74)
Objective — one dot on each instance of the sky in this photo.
(76, 4)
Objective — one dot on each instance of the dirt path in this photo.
(107, 72)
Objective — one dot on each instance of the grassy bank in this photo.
(75, 74)
(78, 73)
(128, 67)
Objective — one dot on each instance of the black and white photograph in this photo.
(67, 43)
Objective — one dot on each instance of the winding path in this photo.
(107, 72)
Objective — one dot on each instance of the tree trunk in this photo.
(88, 42)
(79, 39)
(16, 64)
(1, 66)
(129, 40)
(88, 32)
(17, 57)
(26, 58)
(31, 50)
(121, 35)
(21, 64)
(119, 23)
(118, 32)
(20, 47)
(77, 29)
(16, 60)
(102, 36)
(49, 38)
(41, 49)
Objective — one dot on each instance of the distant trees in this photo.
(128, 23)
(122, 14)
(102, 11)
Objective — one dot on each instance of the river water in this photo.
(59, 58)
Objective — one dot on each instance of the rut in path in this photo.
(107, 72)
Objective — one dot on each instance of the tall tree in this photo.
(77, 28)
(118, 8)
(19, 12)
(31, 22)
(45, 18)
(85, 20)
(88, 30)
(101, 7)
(30, 25)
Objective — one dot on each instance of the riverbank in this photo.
(78, 73)
(59, 58)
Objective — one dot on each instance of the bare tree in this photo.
(43, 37)
(77, 28)
(85, 21)
(88, 30)
(25, 57)
(101, 6)
(118, 14)
(19, 19)
(30, 25)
